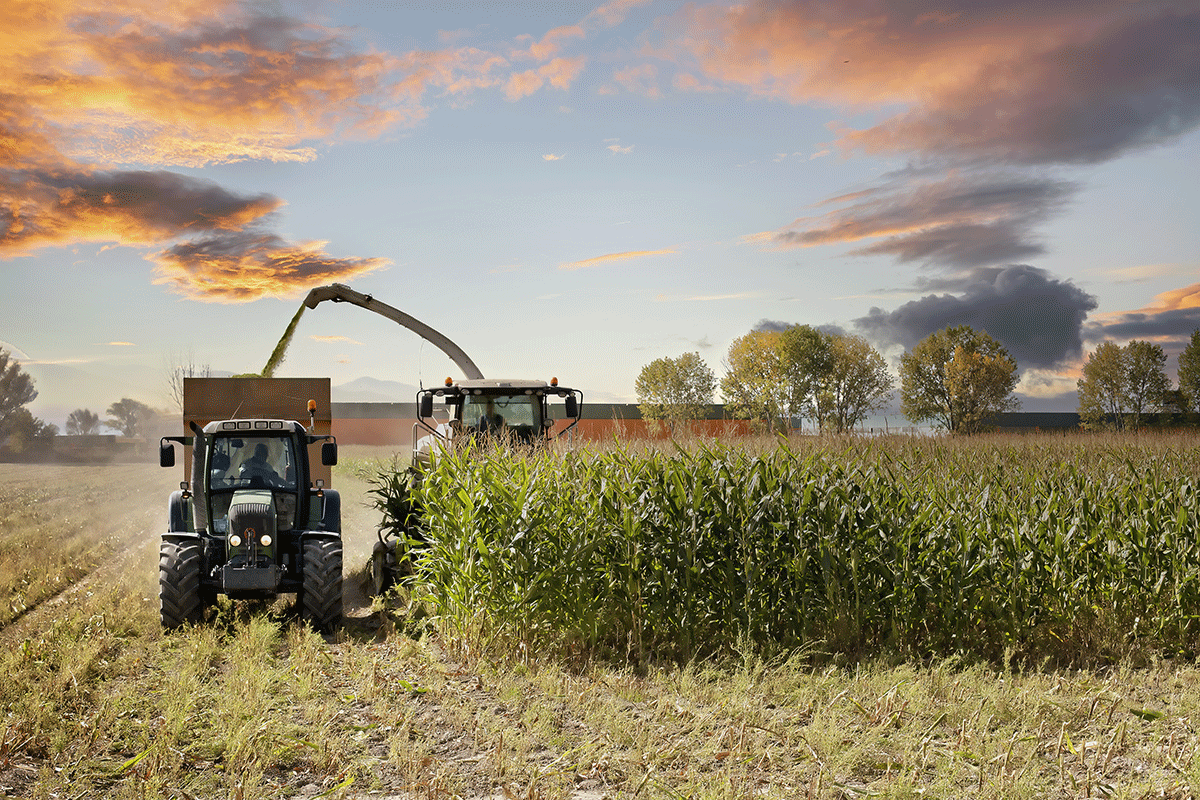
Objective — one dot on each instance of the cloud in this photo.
(641, 79)
(334, 339)
(1172, 315)
(1067, 82)
(137, 208)
(553, 157)
(559, 73)
(704, 298)
(120, 344)
(619, 150)
(1037, 317)
(965, 219)
(241, 267)
(592, 262)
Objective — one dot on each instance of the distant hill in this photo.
(373, 390)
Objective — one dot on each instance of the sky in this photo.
(575, 189)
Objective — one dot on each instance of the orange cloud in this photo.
(559, 73)
(242, 268)
(592, 262)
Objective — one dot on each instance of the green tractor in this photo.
(251, 525)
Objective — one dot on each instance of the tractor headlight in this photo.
(235, 541)
(265, 540)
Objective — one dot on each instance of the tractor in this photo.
(250, 524)
(482, 411)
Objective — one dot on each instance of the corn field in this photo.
(1062, 549)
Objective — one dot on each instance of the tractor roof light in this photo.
(449, 381)
(554, 381)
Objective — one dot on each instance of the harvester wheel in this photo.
(321, 598)
(179, 598)
(383, 571)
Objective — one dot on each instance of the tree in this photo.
(675, 389)
(755, 381)
(1101, 388)
(1189, 372)
(183, 366)
(855, 383)
(16, 390)
(807, 359)
(1119, 384)
(83, 422)
(129, 416)
(24, 432)
(1147, 381)
(958, 378)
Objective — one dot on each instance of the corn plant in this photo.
(1072, 549)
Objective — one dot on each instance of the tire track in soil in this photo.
(131, 509)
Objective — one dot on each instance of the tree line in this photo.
(21, 431)
(957, 378)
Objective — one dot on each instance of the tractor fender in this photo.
(179, 513)
(331, 519)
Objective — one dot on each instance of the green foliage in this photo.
(130, 417)
(1042, 551)
(83, 422)
(755, 382)
(1120, 385)
(675, 389)
(16, 390)
(1189, 372)
(855, 382)
(958, 378)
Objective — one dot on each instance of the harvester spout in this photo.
(340, 293)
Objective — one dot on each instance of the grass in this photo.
(97, 702)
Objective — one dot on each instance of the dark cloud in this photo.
(1175, 323)
(778, 326)
(965, 219)
(1038, 318)
(1119, 81)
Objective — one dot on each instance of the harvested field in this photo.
(99, 703)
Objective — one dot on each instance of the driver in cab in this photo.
(258, 466)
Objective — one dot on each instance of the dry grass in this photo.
(98, 703)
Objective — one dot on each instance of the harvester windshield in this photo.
(493, 412)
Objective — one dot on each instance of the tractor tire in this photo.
(179, 597)
(320, 599)
(383, 572)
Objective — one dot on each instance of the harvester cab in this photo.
(509, 411)
(250, 524)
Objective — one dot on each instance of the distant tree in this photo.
(675, 390)
(1189, 373)
(755, 382)
(807, 360)
(957, 378)
(25, 433)
(855, 383)
(83, 422)
(129, 416)
(16, 390)
(183, 366)
(1147, 381)
(1101, 388)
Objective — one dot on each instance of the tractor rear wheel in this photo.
(321, 597)
(179, 598)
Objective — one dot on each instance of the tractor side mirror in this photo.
(572, 406)
(166, 454)
(329, 454)
(426, 409)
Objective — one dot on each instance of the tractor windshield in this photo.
(490, 412)
(253, 462)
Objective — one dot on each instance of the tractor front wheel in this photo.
(321, 597)
(179, 597)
